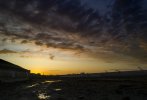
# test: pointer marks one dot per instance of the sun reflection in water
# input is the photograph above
(57, 89)
(32, 85)
(43, 96)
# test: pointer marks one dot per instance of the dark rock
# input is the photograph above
(81, 98)
(126, 98)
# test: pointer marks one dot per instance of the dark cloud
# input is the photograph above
(24, 56)
(24, 41)
(38, 43)
(57, 42)
(5, 39)
(6, 51)
(118, 27)
(51, 56)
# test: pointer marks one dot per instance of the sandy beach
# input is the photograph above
(75, 89)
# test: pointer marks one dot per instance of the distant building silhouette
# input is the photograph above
(10, 72)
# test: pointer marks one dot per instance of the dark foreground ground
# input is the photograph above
(76, 89)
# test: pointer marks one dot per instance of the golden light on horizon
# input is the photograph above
(44, 65)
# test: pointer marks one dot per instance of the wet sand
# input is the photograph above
(75, 89)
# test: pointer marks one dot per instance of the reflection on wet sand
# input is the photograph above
(43, 96)
(58, 89)
(30, 86)
(48, 81)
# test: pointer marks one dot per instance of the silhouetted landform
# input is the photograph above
(76, 89)
(133, 73)
(124, 85)
(11, 73)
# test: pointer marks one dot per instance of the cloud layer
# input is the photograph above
(119, 29)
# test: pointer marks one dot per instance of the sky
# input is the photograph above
(73, 36)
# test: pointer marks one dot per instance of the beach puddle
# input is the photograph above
(43, 96)
(57, 89)
(51, 81)
(32, 85)
(48, 82)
